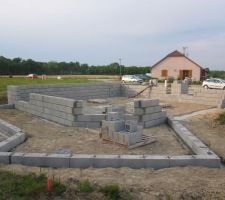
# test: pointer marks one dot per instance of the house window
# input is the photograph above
(164, 73)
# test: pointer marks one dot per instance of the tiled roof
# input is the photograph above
(176, 54)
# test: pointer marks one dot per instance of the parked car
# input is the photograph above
(142, 76)
(215, 83)
(32, 76)
(131, 79)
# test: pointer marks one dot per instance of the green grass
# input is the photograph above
(5, 81)
(111, 191)
(85, 186)
(221, 118)
(34, 187)
(26, 187)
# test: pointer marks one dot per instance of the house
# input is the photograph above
(178, 66)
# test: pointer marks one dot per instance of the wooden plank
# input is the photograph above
(143, 143)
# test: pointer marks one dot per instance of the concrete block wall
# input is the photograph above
(64, 111)
(13, 136)
(73, 91)
(204, 158)
(149, 112)
(195, 144)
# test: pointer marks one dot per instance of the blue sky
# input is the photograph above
(101, 31)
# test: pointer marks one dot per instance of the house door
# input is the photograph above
(185, 73)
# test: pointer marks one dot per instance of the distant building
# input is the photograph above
(178, 66)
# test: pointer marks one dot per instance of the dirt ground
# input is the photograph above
(44, 136)
(209, 131)
(188, 183)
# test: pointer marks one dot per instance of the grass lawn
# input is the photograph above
(5, 81)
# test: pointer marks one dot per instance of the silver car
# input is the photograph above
(131, 79)
(214, 83)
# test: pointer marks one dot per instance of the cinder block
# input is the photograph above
(87, 124)
(35, 159)
(131, 126)
(78, 111)
(130, 117)
(183, 160)
(5, 157)
(132, 161)
(157, 162)
(153, 116)
(91, 118)
(207, 161)
(17, 158)
(58, 160)
(102, 161)
(81, 161)
(80, 103)
(149, 103)
(147, 110)
(155, 122)
(114, 126)
(112, 116)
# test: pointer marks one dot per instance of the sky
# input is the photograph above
(98, 32)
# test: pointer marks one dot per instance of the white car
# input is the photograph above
(215, 83)
(131, 79)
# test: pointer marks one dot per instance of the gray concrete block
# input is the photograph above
(17, 158)
(102, 161)
(157, 162)
(183, 160)
(35, 159)
(149, 102)
(78, 111)
(87, 124)
(58, 160)
(112, 116)
(132, 161)
(81, 161)
(131, 117)
(91, 117)
(5, 157)
(80, 103)
(147, 110)
(155, 122)
(207, 161)
(114, 126)
(153, 116)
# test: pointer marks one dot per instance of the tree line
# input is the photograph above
(18, 66)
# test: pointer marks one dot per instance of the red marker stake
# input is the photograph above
(49, 184)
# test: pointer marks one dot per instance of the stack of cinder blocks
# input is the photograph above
(120, 131)
(149, 112)
(86, 120)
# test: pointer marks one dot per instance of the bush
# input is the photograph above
(170, 79)
(111, 192)
(85, 186)
(196, 83)
(221, 118)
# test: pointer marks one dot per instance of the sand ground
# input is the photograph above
(187, 183)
